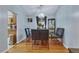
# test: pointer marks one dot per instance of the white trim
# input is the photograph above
(21, 40)
(65, 46)
(7, 49)
(12, 46)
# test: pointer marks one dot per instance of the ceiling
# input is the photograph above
(34, 10)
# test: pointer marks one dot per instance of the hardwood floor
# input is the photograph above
(26, 47)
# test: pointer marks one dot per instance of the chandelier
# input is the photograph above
(39, 11)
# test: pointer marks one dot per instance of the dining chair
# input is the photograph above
(27, 32)
(58, 34)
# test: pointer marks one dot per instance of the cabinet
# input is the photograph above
(51, 26)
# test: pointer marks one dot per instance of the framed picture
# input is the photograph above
(29, 19)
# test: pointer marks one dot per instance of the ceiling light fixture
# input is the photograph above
(40, 13)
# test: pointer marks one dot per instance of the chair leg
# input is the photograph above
(61, 41)
(45, 43)
(36, 44)
(33, 43)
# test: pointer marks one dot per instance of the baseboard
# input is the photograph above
(21, 39)
(12, 46)
(65, 46)
(7, 49)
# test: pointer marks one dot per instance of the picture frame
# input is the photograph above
(29, 19)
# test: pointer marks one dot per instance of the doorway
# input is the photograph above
(12, 28)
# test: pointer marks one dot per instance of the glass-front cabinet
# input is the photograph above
(51, 26)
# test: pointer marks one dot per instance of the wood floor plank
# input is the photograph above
(26, 47)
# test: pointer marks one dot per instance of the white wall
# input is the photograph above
(68, 18)
(21, 26)
(4, 25)
(31, 25)
(3, 28)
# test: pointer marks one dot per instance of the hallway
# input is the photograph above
(26, 47)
